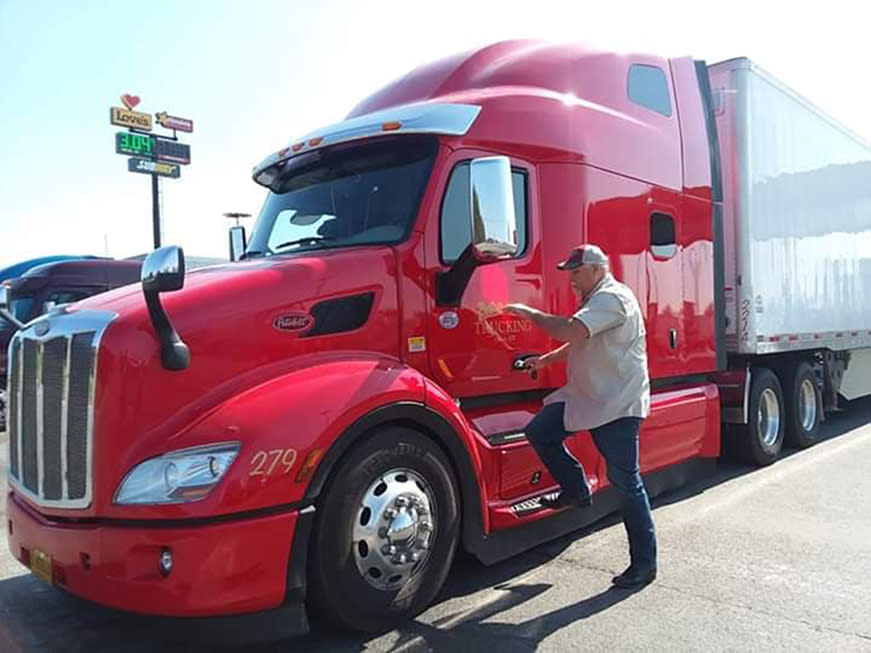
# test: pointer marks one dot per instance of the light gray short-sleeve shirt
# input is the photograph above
(607, 374)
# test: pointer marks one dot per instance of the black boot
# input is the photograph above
(632, 578)
(564, 500)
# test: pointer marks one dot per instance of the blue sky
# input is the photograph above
(254, 75)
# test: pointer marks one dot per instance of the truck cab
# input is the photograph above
(320, 425)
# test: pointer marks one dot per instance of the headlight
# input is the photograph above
(179, 476)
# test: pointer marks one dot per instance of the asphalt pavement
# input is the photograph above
(774, 559)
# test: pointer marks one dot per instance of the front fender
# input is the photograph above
(279, 423)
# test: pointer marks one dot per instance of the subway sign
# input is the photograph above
(154, 168)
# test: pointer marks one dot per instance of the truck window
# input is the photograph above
(19, 307)
(663, 243)
(648, 87)
(456, 221)
(343, 196)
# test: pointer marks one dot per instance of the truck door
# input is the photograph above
(473, 346)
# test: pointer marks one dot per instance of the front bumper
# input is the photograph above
(225, 568)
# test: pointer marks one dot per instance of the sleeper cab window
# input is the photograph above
(648, 87)
(456, 216)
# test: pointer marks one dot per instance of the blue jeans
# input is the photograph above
(617, 441)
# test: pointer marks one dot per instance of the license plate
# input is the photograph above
(41, 566)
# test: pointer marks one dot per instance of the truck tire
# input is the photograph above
(386, 531)
(760, 440)
(804, 407)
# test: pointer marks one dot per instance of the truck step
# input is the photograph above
(531, 505)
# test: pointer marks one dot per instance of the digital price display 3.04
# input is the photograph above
(133, 144)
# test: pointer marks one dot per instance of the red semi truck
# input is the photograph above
(319, 425)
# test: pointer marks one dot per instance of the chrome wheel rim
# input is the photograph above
(768, 417)
(394, 528)
(807, 406)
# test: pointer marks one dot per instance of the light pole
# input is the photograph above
(235, 215)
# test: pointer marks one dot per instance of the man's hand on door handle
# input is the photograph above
(530, 363)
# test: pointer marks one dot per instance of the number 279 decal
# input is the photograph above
(274, 462)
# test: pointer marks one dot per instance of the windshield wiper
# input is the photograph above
(308, 239)
(250, 254)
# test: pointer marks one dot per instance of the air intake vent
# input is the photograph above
(341, 315)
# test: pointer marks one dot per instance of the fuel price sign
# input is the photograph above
(133, 144)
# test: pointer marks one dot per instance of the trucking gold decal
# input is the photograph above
(492, 322)
(264, 463)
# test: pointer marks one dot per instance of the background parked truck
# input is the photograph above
(54, 281)
(319, 425)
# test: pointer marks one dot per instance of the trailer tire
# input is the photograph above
(760, 441)
(804, 409)
(386, 530)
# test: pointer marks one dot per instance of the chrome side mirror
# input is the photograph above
(494, 223)
(4, 297)
(163, 271)
(494, 226)
(238, 242)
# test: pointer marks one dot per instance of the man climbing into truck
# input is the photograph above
(607, 393)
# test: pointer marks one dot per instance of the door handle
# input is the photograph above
(672, 338)
(519, 364)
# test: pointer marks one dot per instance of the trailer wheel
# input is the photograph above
(804, 411)
(386, 532)
(759, 441)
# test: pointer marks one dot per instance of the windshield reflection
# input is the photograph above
(346, 196)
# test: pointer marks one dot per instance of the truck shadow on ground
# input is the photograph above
(36, 617)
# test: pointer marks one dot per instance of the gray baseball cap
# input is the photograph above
(584, 255)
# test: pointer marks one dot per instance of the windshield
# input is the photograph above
(344, 196)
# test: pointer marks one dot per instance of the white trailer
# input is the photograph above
(796, 255)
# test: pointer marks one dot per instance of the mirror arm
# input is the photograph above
(11, 319)
(163, 271)
(452, 283)
(174, 353)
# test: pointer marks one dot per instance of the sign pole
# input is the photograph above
(155, 211)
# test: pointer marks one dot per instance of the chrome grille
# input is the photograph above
(52, 373)
(29, 454)
(80, 400)
(54, 358)
(14, 381)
